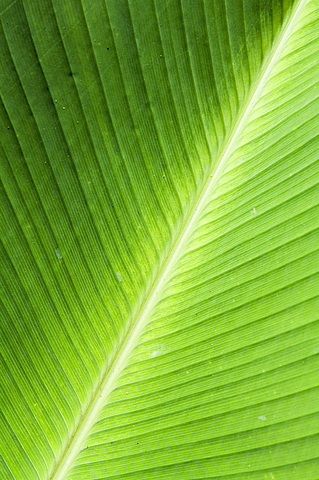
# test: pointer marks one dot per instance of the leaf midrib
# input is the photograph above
(140, 317)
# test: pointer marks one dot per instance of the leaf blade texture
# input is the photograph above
(159, 240)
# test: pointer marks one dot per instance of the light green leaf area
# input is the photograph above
(159, 240)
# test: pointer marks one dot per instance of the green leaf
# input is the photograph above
(159, 239)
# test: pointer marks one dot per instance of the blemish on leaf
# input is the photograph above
(157, 350)
(118, 276)
(262, 417)
(58, 254)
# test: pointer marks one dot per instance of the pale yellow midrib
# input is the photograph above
(141, 316)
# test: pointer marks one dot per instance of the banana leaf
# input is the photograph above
(159, 240)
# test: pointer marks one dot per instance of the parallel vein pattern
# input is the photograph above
(126, 110)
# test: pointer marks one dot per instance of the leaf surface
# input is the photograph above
(159, 237)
